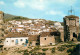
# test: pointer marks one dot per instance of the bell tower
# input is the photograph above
(71, 26)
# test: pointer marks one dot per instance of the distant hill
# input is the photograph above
(8, 16)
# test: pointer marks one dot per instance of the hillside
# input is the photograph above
(8, 17)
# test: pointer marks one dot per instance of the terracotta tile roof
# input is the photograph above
(33, 37)
(16, 35)
(44, 34)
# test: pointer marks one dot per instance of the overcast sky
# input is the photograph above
(53, 10)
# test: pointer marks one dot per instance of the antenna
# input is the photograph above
(71, 12)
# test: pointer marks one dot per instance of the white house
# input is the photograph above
(20, 25)
(58, 25)
(19, 29)
(26, 21)
(33, 32)
(15, 41)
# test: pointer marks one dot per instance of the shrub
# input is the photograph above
(75, 50)
(70, 42)
(25, 51)
(69, 50)
(37, 48)
(38, 53)
(44, 49)
(26, 54)
(53, 50)
(61, 48)
(68, 46)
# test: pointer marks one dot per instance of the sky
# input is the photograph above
(53, 10)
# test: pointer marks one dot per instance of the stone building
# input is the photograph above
(60, 29)
(47, 39)
(1, 23)
(71, 27)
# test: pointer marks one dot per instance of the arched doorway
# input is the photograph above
(74, 35)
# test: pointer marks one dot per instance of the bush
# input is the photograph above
(70, 42)
(44, 49)
(69, 50)
(75, 50)
(67, 46)
(37, 48)
(24, 51)
(38, 53)
(26, 54)
(53, 50)
(61, 48)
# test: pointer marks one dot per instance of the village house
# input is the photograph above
(15, 22)
(19, 29)
(58, 25)
(46, 39)
(15, 40)
(26, 21)
(33, 32)
(33, 40)
(45, 30)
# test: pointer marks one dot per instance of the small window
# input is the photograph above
(50, 43)
(44, 38)
(77, 21)
(12, 40)
(21, 39)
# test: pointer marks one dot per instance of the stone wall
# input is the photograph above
(44, 41)
(71, 27)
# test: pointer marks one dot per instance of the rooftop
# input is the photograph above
(72, 16)
(1, 12)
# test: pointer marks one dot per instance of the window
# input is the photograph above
(44, 38)
(16, 41)
(77, 21)
(26, 41)
(50, 43)
(12, 40)
(21, 39)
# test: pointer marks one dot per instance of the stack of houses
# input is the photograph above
(34, 32)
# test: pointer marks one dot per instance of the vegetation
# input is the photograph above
(38, 53)
(68, 46)
(37, 48)
(70, 42)
(61, 48)
(22, 51)
(26, 54)
(53, 50)
(44, 49)
(74, 51)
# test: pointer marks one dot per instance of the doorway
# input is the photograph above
(16, 41)
(74, 35)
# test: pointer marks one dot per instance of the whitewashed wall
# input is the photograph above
(8, 41)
